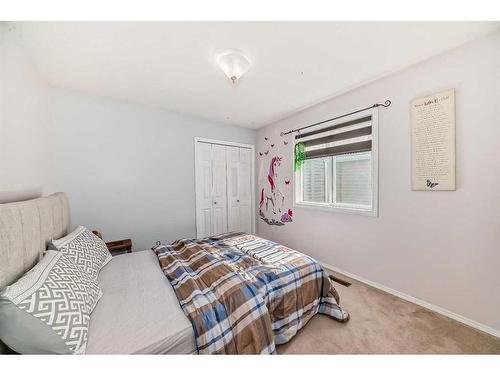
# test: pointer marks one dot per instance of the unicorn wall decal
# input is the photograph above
(272, 208)
(272, 196)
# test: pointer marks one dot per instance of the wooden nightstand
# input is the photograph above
(120, 245)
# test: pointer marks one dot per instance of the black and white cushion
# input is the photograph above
(85, 249)
(48, 309)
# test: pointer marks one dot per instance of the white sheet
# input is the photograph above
(139, 311)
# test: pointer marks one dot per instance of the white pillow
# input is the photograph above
(85, 249)
(48, 309)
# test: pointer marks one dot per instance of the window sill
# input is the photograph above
(337, 209)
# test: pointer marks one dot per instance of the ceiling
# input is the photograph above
(171, 65)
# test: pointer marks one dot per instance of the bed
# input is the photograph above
(138, 312)
(244, 294)
(130, 316)
(142, 309)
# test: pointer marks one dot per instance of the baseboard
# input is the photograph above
(427, 305)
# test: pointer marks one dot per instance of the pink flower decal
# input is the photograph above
(287, 217)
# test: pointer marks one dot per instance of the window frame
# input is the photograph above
(342, 207)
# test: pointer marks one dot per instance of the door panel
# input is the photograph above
(233, 222)
(232, 182)
(207, 183)
(245, 218)
(233, 154)
(233, 199)
(245, 176)
(239, 165)
(219, 220)
(245, 189)
(233, 160)
(219, 196)
(204, 214)
(206, 218)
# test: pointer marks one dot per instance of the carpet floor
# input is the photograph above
(384, 324)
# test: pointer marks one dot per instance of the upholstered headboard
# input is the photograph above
(25, 230)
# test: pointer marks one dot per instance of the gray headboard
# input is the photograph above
(25, 230)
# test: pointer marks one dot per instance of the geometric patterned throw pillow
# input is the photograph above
(85, 249)
(48, 309)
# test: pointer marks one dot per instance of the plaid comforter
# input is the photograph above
(244, 294)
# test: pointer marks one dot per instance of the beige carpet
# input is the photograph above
(384, 324)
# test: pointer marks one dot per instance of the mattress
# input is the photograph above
(139, 311)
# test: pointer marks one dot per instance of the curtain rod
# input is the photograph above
(386, 104)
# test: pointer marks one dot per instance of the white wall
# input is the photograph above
(128, 169)
(440, 247)
(24, 115)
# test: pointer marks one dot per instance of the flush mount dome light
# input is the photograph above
(233, 63)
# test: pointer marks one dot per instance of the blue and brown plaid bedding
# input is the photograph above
(244, 294)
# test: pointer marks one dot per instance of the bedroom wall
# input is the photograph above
(24, 116)
(129, 169)
(440, 247)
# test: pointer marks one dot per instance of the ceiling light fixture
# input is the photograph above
(233, 63)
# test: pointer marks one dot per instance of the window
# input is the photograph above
(340, 170)
(316, 179)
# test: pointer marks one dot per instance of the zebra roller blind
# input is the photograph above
(338, 170)
(345, 138)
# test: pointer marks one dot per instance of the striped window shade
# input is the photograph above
(345, 138)
(340, 167)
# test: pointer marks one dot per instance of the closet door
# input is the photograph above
(204, 212)
(219, 195)
(239, 188)
(233, 210)
(245, 188)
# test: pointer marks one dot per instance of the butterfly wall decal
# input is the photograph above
(265, 138)
(285, 143)
(260, 153)
(432, 184)
(272, 145)
(267, 152)
(287, 182)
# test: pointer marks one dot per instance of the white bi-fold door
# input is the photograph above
(224, 188)
(239, 189)
(211, 190)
